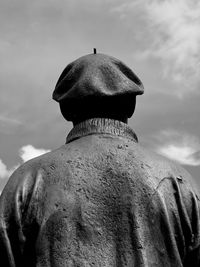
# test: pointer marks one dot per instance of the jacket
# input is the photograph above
(99, 200)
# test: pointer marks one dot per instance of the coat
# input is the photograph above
(99, 200)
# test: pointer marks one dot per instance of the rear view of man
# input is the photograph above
(101, 199)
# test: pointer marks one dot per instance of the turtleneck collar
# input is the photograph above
(101, 126)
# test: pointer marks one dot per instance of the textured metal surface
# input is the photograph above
(100, 200)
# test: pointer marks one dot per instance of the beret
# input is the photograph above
(96, 78)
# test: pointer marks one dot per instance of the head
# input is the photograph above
(97, 86)
(80, 110)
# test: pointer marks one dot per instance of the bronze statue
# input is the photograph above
(101, 199)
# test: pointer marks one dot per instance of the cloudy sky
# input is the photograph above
(158, 39)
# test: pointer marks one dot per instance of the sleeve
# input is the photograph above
(12, 239)
(182, 206)
(188, 203)
(193, 251)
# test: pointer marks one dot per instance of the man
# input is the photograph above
(100, 199)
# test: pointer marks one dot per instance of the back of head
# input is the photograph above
(97, 85)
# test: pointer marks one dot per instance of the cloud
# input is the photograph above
(178, 37)
(4, 171)
(182, 154)
(26, 153)
(173, 29)
(179, 147)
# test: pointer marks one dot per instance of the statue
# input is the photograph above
(101, 199)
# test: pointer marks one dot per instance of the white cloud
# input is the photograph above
(174, 30)
(26, 153)
(182, 154)
(4, 172)
(179, 147)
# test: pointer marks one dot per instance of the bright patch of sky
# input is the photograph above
(175, 37)
(180, 147)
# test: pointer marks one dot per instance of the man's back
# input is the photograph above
(100, 200)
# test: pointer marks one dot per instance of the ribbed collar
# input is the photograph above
(101, 126)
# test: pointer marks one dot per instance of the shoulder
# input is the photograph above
(28, 174)
(163, 170)
(170, 183)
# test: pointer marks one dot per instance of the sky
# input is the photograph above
(158, 39)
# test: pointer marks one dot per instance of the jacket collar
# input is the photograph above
(101, 126)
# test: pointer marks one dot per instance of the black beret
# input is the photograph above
(96, 78)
